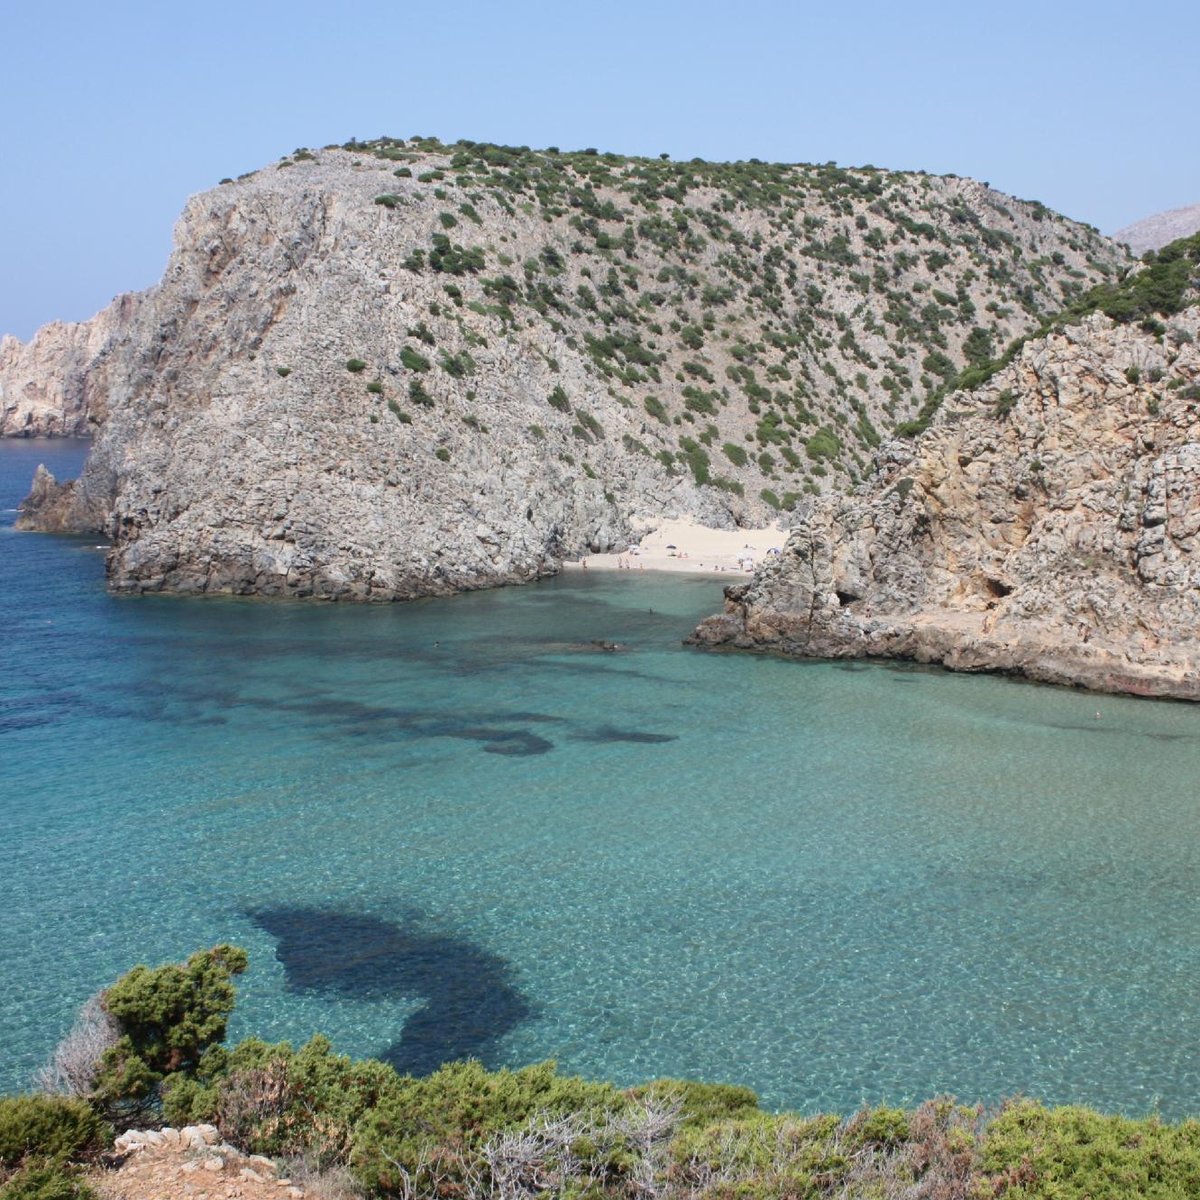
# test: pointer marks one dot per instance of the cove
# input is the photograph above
(444, 827)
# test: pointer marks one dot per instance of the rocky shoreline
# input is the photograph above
(1047, 525)
(342, 390)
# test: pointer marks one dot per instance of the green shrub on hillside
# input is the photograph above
(457, 365)
(414, 360)
(696, 457)
(168, 1018)
(41, 1127)
(589, 423)
(823, 444)
(46, 1181)
(451, 259)
(1160, 288)
(655, 408)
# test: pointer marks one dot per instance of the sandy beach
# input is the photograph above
(685, 546)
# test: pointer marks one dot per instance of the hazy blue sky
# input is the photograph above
(114, 113)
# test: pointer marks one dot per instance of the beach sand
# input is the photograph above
(688, 547)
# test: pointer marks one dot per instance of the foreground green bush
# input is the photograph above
(46, 1181)
(168, 1018)
(433, 1127)
(47, 1127)
(273, 1100)
(1077, 1154)
(700, 1103)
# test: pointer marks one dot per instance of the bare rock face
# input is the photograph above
(52, 386)
(368, 381)
(50, 506)
(1047, 524)
(1153, 233)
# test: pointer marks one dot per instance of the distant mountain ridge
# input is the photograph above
(1152, 233)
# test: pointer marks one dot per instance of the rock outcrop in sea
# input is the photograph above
(1047, 524)
(402, 368)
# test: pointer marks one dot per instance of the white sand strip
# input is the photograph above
(686, 546)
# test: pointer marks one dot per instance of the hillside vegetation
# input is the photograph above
(466, 1132)
(1162, 285)
(773, 321)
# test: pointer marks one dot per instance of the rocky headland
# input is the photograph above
(52, 386)
(401, 368)
(1047, 524)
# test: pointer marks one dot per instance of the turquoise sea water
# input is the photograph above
(451, 827)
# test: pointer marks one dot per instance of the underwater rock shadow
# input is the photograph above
(491, 729)
(353, 718)
(470, 999)
(609, 733)
(513, 742)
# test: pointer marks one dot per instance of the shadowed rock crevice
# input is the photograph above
(469, 998)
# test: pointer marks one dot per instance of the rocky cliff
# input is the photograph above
(392, 369)
(50, 386)
(1047, 524)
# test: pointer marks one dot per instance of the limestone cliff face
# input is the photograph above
(371, 381)
(1047, 524)
(52, 385)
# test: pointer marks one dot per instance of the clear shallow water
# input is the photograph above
(445, 828)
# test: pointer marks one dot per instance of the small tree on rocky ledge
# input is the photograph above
(152, 1026)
